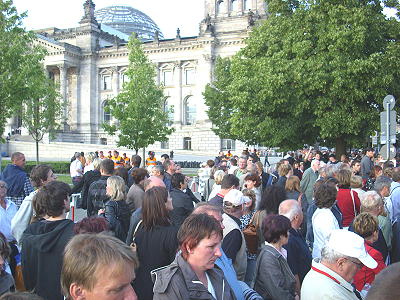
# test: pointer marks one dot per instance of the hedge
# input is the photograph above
(59, 167)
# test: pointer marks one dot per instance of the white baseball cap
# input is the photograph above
(350, 244)
(236, 198)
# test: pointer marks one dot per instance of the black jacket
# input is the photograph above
(43, 243)
(117, 214)
(97, 195)
(83, 187)
(183, 205)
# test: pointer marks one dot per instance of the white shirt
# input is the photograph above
(323, 222)
(74, 167)
(317, 286)
(88, 168)
(6, 216)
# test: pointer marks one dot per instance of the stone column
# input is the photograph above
(241, 7)
(63, 90)
(178, 114)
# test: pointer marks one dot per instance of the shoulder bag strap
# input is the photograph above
(354, 204)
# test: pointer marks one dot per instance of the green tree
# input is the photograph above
(138, 108)
(313, 71)
(17, 55)
(42, 112)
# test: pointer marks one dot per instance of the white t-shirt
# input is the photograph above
(323, 222)
(74, 167)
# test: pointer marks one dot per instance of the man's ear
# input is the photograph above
(76, 292)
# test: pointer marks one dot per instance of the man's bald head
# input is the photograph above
(153, 181)
(292, 210)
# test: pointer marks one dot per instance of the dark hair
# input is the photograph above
(210, 163)
(272, 196)
(136, 160)
(233, 161)
(123, 173)
(195, 228)
(39, 174)
(375, 170)
(177, 179)
(165, 156)
(229, 181)
(325, 195)
(139, 174)
(107, 165)
(354, 162)
(253, 177)
(50, 198)
(20, 296)
(154, 211)
(274, 226)
(167, 163)
(5, 250)
(92, 224)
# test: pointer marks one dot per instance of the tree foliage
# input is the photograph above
(42, 112)
(17, 55)
(314, 70)
(138, 108)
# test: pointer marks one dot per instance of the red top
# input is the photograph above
(367, 275)
(345, 203)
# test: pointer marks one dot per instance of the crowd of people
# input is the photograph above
(312, 227)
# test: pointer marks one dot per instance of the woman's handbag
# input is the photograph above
(250, 235)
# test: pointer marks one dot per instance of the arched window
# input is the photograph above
(234, 5)
(190, 110)
(169, 109)
(106, 115)
(219, 6)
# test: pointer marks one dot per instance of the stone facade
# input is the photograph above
(89, 65)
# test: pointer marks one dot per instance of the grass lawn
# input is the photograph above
(64, 178)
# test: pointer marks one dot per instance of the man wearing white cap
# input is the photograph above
(342, 256)
(234, 244)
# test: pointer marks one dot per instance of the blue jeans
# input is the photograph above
(250, 272)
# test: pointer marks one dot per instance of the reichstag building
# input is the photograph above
(89, 61)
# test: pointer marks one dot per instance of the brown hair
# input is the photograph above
(253, 177)
(195, 228)
(39, 174)
(86, 255)
(50, 199)
(365, 225)
(343, 176)
(154, 211)
(292, 184)
(139, 174)
(284, 169)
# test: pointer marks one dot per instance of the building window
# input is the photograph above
(227, 144)
(187, 143)
(247, 4)
(234, 5)
(123, 79)
(190, 111)
(164, 145)
(169, 109)
(106, 82)
(103, 141)
(166, 77)
(106, 114)
(189, 76)
(220, 8)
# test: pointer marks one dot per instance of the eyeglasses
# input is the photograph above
(359, 265)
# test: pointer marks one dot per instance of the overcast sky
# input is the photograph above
(167, 14)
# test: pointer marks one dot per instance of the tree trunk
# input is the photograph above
(340, 147)
(144, 158)
(37, 152)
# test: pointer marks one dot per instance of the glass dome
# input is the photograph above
(128, 20)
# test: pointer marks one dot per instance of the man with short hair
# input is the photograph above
(366, 163)
(332, 159)
(159, 172)
(170, 168)
(298, 254)
(228, 183)
(76, 169)
(98, 266)
(164, 157)
(43, 242)
(356, 167)
(234, 244)
(342, 257)
(97, 196)
(18, 183)
(308, 180)
(136, 160)
(242, 167)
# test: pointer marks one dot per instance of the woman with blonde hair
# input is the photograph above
(284, 171)
(116, 211)
(218, 176)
